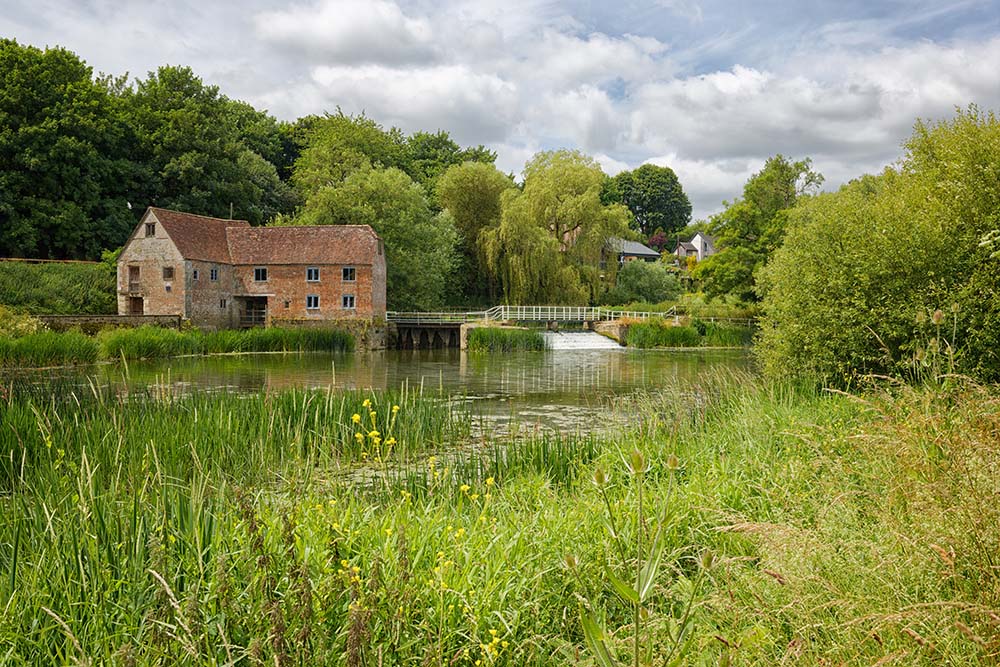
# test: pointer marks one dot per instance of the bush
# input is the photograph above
(499, 339)
(14, 324)
(854, 289)
(645, 281)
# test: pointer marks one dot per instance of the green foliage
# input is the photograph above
(654, 196)
(64, 167)
(197, 149)
(419, 245)
(429, 155)
(750, 229)
(471, 194)
(504, 339)
(852, 290)
(646, 281)
(56, 288)
(551, 236)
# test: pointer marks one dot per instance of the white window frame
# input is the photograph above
(213, 274)
(310, 297)
(309, 272)
(260, 280)
(343, 302)
(354, 274)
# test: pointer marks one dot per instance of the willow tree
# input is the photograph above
(553, 234)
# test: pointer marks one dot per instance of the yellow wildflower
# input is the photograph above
(464, 488)
(395, 409)
(489, 481)
(367, 403)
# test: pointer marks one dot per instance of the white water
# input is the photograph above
(579, 340)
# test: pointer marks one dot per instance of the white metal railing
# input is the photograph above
(524, 314)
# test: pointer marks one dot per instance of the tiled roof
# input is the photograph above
(236, 242)
(197, 236)
(320, 244)
(687, 246)
(632, 248)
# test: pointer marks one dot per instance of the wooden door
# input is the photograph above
(135, 305)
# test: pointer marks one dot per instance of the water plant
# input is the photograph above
(504, 339)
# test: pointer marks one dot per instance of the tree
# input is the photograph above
(419, 246)
(652, 282)
(867, 277)
(430, 155)
(337, 145)
(750, 229)
(552, 235)
(654, 196)
(197, 148)
(64, 165)
(471, 194)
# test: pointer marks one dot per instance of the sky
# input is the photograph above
(708, 88)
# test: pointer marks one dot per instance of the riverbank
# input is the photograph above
(841, 528)
(47, 348)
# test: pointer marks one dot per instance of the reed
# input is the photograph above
(48, 348)
(504, 339)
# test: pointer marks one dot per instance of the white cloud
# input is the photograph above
(349, 31)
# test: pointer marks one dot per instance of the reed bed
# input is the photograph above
(656, 332)
(150, 342)
(145, 528)
(504, 339)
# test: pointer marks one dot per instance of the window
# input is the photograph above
(194, 275)
(347, 301)
(312, 301)
(222, 303)
(348, 274)
(150, 229)
(168, 273)
(213, 274)
(166, 287)
(312, 274)
(260, 274)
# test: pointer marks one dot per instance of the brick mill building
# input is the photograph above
(224, 273)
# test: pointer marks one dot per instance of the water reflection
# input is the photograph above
(558, 389)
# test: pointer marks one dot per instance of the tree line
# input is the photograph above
(81, 156)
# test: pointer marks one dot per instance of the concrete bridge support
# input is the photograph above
(427, 336)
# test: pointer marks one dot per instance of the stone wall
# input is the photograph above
(91, 324)
(150, 254)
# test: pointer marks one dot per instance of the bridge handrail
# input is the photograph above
(506, 313)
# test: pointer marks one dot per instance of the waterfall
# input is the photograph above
(579, 340)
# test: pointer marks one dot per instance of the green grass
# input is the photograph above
(246, 529)
(503, 339)
(56, 288)
(149, 342)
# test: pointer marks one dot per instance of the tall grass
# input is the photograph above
(504, 339)
(655, 332)
(216, 529)
(48, 349)
(149, 342)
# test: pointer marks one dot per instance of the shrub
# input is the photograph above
(842, 296)
(646, 281)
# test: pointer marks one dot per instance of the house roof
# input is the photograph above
(198, 236)
(208, 239)
(687, 246)
(633, 248)
(319, 244)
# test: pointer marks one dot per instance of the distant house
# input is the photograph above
(700, 246)
(629, 251)
(225, 273)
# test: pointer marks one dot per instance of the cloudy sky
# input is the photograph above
(710, 88)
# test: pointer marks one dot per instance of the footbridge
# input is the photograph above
(443, 328)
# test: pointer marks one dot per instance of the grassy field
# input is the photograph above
(765, 524)
(58, 288)
(149, 342)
